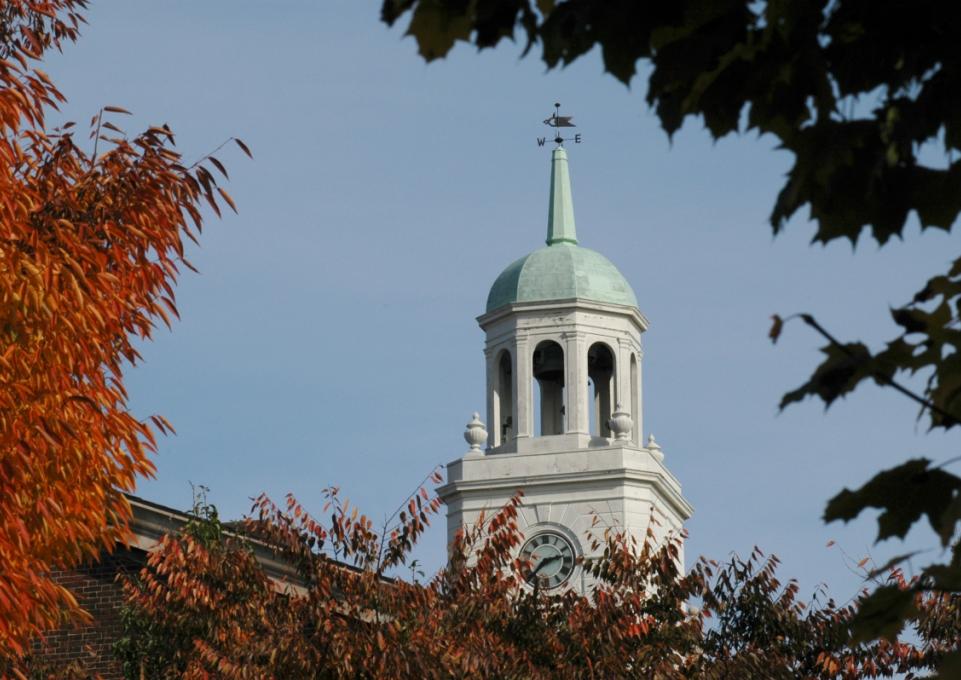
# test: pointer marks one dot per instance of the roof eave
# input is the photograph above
(488, 318)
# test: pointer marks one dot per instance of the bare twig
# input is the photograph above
(211, 153)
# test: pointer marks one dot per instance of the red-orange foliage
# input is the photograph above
(204, 608)
(90, 242)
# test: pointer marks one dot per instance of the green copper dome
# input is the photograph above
(563, 269)
(559, 272)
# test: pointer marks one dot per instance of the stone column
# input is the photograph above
(622, 376)
(523, 399)
(639, 410)
(489, 355)
(575, 356)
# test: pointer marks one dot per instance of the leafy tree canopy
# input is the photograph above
(92, 235)
(866, 95)
(203, 607)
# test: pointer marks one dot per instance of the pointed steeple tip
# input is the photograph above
(560, 216)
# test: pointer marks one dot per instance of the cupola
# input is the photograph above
(563, 340)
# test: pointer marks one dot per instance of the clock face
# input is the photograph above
(550, 558)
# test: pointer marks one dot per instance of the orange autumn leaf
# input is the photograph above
(77, 287)
(354, 613)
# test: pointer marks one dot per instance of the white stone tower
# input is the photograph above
(563, 355)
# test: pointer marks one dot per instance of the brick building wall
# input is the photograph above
(89, 648)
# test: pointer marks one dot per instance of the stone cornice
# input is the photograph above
(507, 485)
(632, 313)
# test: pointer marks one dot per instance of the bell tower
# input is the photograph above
(563, 354)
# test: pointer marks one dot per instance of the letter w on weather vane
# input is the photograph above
(557, 121)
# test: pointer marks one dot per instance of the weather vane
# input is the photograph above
(557, 121)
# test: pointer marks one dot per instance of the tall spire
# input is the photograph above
(560, 216)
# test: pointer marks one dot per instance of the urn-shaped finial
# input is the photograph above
(654, 447)
(621, 423)
(476, 433)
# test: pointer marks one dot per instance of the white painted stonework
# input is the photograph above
(564, 490)
(577, 362)
(570, 478)
(575, 325)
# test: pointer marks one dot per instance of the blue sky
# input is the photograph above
(330, 337)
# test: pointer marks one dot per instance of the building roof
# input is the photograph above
(562, 270)
(151, 521)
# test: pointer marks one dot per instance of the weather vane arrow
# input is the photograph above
(558, 121)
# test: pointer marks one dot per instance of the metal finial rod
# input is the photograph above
(557, 114)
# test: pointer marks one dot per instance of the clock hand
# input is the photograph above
(544, 562)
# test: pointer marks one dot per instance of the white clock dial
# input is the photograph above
(550, 559)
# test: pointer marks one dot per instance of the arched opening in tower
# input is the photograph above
(548, 372)
(504, 399)
(600, 377)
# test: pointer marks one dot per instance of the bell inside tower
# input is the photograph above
(548, 369)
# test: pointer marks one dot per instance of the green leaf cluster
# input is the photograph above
(852, 88)
(856, 90)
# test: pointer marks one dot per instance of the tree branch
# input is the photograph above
(877, 375)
